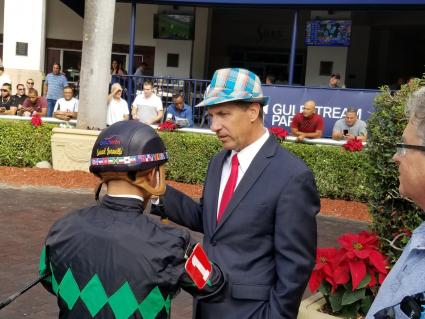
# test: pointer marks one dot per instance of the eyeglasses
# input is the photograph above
(401, 148)
(32, 83)
(22, 89)
(4, 90)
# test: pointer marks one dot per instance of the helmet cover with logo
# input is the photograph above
(127, 146)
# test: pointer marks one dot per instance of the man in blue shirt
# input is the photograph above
(398, 295)
(54, 84)
(180, 112)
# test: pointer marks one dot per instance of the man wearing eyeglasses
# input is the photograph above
(403, 289)
(20, 95)
(30, 84)
(8, 104)
(66, 108)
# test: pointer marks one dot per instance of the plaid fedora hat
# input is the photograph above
(233, 84)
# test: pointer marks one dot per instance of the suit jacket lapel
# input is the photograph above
(255, 169)
(214, 179)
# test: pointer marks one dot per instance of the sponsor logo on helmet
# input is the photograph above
(108, 141)
(109, 151)
(109, 146)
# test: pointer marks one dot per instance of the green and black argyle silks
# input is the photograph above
(111, 261)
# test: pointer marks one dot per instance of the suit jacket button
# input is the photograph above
(213, 243)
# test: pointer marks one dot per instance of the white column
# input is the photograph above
(24, 23)
(95, 63)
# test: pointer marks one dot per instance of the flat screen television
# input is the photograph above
(173, 26)
(328, 33)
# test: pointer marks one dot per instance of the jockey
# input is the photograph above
(113, 261)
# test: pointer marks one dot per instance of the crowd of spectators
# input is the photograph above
(58, 101)
(308, 124)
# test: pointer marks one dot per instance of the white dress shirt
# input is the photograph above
(245, 157)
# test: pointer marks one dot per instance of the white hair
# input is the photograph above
(415, 110)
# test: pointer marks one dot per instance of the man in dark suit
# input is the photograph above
(258, 208)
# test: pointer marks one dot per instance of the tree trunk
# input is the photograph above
(95, 63)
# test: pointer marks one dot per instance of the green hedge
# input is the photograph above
(392, 214)
(189, 155)
(23, 145)
(339, 174)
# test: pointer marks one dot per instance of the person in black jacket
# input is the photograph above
(111, 260)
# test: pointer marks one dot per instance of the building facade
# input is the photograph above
(385, 44)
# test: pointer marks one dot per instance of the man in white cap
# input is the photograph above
(258, 207)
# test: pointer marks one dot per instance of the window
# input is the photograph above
(71, 65)
(172, 60)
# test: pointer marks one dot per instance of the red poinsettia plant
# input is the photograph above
(278, 132)
(167, 125)
(353, 145)
(36, 120)
(349, 276)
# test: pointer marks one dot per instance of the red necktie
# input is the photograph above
(229, 188)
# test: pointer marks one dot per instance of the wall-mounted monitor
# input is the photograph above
(328, 33)
(173, 26)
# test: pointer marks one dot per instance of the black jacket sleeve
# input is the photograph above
(214, 285)
(44, 270)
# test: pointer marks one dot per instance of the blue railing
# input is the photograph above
(165, 87)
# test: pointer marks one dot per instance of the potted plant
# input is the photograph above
(279, 132)
(348, 277)
(168, 126)
(354, 145)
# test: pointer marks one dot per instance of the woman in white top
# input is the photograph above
(117, 107)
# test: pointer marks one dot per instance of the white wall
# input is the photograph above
(182, 48)
(28, 29)
(62, 22)
(337, 55)
(144, 24)
(144, 36)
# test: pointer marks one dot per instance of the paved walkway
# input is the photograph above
(26, 214)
